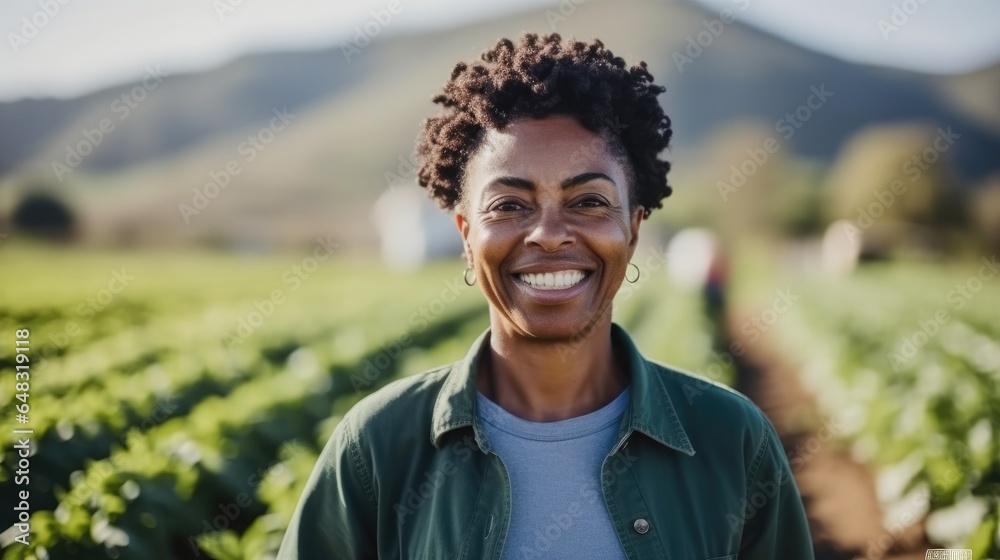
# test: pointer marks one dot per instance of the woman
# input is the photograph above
(554, 437)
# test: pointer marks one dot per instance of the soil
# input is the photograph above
(839, 495)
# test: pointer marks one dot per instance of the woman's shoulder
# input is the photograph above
(709, 407)
(405, 403)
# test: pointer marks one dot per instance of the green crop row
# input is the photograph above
(152, 498)
(84, 424)
(907, 361)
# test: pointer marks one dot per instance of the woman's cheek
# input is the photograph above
(611, 229)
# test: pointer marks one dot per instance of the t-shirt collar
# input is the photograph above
(650, 411)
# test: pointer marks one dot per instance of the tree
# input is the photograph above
(44, 215)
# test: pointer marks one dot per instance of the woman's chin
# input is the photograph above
(558, 328)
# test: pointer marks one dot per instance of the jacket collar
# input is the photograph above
(650, 412)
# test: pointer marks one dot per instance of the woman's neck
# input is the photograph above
(549, 380)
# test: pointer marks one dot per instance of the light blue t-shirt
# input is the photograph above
(558, 509)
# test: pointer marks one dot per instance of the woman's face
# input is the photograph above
(548, 228)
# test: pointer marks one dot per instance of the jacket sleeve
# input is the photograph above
(336, 514)
(775, 526)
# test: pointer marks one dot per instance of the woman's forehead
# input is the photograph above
(557, 131)
(554, 146)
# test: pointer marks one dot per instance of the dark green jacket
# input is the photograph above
(698, 473)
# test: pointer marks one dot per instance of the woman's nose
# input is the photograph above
(551, 230)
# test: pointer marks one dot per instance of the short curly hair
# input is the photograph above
(537, 78)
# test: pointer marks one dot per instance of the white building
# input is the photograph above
(413, 229)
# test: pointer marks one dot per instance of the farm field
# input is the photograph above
(906, 361)
(179, 400)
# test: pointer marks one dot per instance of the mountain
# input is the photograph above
(352, 121)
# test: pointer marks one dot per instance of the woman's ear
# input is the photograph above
(636, 221)
(463, 229)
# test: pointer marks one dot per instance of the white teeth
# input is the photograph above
(553, 280)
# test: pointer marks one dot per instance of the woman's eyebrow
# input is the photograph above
(516, 182)
(584, 178)
(520, 183)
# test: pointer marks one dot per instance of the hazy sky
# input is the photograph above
(89, 45)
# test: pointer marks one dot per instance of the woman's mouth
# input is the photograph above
(558, 280)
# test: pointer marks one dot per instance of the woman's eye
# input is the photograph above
(507, 206)
(592, 202)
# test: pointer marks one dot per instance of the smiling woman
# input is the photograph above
(541, 211)
(554, 437)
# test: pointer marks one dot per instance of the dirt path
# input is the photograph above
(844, 514)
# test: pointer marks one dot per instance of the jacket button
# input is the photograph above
(641, 526)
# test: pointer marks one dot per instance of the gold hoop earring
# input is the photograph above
(465, 276)
(636, 273)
